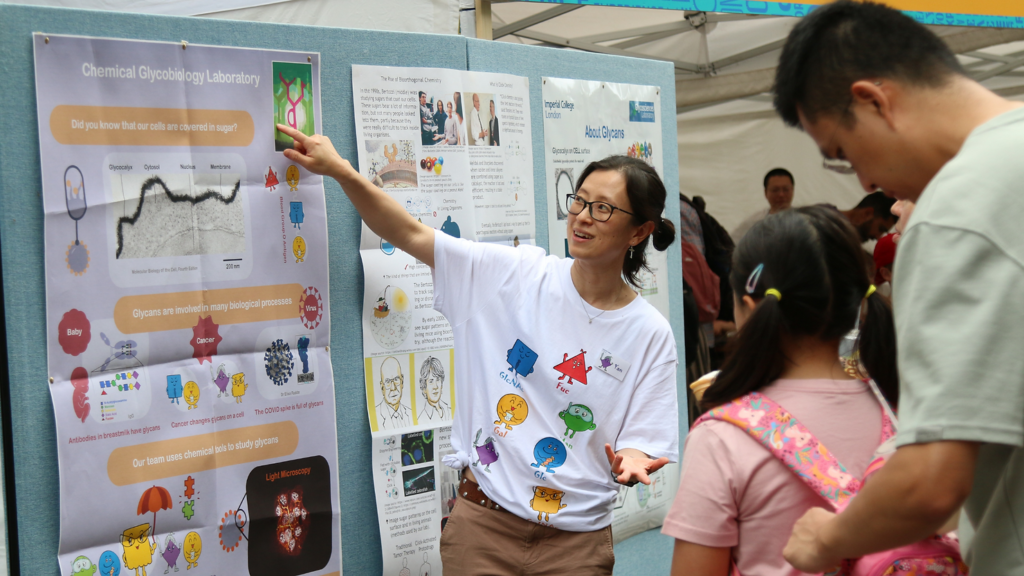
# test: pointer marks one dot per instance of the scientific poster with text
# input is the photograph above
(586, 121)
(188, 325)
(454, 148)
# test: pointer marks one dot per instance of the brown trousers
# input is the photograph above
(478, 541)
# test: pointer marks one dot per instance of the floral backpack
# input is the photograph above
(794, 445)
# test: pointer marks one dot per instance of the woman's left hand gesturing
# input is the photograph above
(630, 466)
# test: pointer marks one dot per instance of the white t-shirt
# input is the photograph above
(539, 385)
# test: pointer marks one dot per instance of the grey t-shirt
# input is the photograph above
(959, 294)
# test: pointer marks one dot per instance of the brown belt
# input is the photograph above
(471, 491)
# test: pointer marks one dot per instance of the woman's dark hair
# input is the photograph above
(813, 257)
(646, 195)
(458, 103)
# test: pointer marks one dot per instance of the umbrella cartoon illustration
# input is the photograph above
(153, 500)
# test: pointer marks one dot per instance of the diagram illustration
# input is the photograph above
(77, 257)
(291, 176)
(178, 215)
(391, 163)
(293, 100)
(392, 318)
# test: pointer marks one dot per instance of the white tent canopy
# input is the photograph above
(729, 136)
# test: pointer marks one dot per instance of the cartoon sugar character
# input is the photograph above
(191, 394)
(238, 387)
(550, 453)
(222, 380)
(577, 418)
(521, 359)
(82, 566)
(512, 410)
(486, 453)
(170, 553)
(193, 548)
(138, 551)
(174, 388)
(546, 501)
(109, 564)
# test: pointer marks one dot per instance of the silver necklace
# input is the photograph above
(589, 317)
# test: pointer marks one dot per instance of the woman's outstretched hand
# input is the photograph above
(315, 153)
(631, 466)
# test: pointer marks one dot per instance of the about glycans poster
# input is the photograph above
(188, 318)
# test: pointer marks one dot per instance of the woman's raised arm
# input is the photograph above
(382, 213)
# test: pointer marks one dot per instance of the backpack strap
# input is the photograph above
(790, 442)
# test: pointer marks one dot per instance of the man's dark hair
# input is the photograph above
(846, 41)
(422, 94)
(778, 172)
(881, 204)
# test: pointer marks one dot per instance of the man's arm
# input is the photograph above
(908, 500)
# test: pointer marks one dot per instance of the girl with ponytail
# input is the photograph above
(801, 284)
(579, 371)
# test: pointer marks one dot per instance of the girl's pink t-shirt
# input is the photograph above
(734, 494)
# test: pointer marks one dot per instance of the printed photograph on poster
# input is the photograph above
(484, 129)
(293, 101)
(442, 118)
(391, 163)
(388, 392)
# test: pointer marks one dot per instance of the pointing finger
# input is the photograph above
(295, 134)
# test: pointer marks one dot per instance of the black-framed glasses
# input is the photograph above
(599, 211)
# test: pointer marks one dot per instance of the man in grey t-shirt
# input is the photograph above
(885, 98)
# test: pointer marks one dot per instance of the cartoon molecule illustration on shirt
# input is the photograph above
(512, 410)
(546, 501)
(574, 368)
(577, 418)
(550, 453)
(278, 362)
(486, 453)
(77, 257)
(291, 176)
(521, 359)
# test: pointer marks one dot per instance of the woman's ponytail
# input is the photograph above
(664, 234)
(877, 347)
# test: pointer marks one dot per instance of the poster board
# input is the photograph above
(29, 433)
